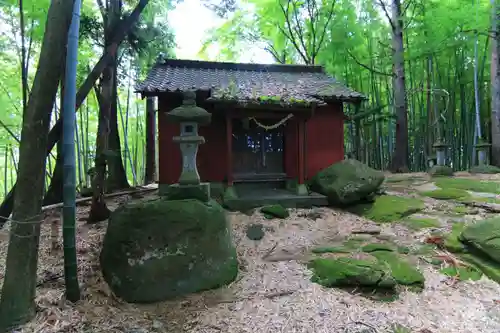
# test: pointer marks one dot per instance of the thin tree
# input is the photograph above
(495, 83)
(399, 161)
(17, 304)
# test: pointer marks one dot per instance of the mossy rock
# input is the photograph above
(402, 271)
(385, 270)
(452, 241)
(158, 249)
(484, 236)
(372, 247)
(331, 249)
(447, 194)
(488, 267)
(388, 208)
(349, 272)
(485, 169)
(463, 273)
(419, 223)
(441, 171)
(275, 211)
(347, 182)
(468, 185)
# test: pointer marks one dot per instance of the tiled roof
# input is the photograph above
(247, 83)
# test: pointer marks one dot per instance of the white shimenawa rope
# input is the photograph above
(278, 124)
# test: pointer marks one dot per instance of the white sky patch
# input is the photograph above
(191, 22)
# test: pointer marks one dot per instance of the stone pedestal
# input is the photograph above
(440, 148)
(483, 153)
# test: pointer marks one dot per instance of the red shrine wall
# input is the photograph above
(324, 144)
(324, 139)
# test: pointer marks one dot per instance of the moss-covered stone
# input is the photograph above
(372, 247)
(160, 249)
(441, 171)
(489, 268)
(385, 270)
(349, 272)
(451, 241)
(331, 249)
(419, 223)
(484, 236)
(462, 273)
(484, 169)
(275, 211)
(401, 270)
(469, 185)
(447, 194)
(347, 182)
(388, 208)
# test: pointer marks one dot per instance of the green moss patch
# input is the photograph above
(275, 211)
(388, 208)
(418, 223)
(468, 185)
(460, 210)
(462, 273)
(447, 194)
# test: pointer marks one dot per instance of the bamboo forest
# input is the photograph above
(132, 201)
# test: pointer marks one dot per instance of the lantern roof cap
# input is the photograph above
(189, 111)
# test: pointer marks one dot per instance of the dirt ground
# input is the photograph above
(273, 292)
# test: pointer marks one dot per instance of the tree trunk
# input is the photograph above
(400, 158)
(56, 131)
(149, 176)
(495, 84)
(98, 209)
(117, 177)
(17, 304)
(54, 193)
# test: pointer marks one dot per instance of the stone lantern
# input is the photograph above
(189, 116)
(483, 153)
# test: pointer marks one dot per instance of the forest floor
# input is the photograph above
(273, 292)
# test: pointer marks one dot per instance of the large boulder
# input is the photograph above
(159, 249)
(484, 236)
(347, 182)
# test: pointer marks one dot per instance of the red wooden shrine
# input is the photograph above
(247, 102)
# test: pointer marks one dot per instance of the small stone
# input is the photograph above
(367, 231)
(255, 232)
(157, 325)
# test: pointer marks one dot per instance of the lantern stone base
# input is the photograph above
(180, 192)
